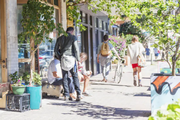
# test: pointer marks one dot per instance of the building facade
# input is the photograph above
(96, 27)
(14, 57)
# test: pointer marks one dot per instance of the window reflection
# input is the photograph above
(24, 66)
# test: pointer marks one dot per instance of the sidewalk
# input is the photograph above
(108, 101)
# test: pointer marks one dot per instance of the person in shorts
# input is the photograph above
(84, 75)
(134, 50)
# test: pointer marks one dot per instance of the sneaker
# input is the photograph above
(139, 83)
(86, 94)
(70, 98)
(135, 84)
(78, 98)
(66, 98)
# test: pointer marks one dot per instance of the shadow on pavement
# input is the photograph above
(102, 112)
(143, 95)
(146, 78)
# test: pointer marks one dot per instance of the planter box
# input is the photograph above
(4, 88)
(164, 90)
(19, 103)
(167, 70)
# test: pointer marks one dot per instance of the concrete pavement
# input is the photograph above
(108, 101)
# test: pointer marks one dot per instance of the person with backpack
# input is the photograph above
(67, 51)
(105, 55)
(134, 50)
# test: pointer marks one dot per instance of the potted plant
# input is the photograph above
(14, 78)
(35, 91)
(26, 78)
(18, 88)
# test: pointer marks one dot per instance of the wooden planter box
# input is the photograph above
(4, 88)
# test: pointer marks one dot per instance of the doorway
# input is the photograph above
(3, 51)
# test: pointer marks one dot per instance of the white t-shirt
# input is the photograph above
(134, 50)
(54, 67)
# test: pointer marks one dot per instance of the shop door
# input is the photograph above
(3, 48)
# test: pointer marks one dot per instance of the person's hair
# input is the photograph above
(105, 37)
(135, 38)
(55, 57)
(70, 29)
(83, 55)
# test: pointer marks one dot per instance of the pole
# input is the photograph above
(151, 59)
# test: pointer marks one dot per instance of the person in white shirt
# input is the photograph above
(134, 50)
(55, 76)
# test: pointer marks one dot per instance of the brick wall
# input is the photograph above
(12, 41)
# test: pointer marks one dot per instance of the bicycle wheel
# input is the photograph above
(120, 73)
(117, 72)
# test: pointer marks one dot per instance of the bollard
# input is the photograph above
(151, 59)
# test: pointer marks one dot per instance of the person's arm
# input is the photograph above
(56, 48)
(56, 75)
(116, 53)
(76, 49)
(128, 53)
(84, 72)
(99, 52)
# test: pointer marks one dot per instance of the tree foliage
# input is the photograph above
(37, 22)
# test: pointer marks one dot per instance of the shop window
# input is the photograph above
(103, 25)
(100, 24)
(56, 2)
(97, 23)
(90, 20)
(106, 26)
(84, 17)
(24, 66)
(49, 1)
(24, 48)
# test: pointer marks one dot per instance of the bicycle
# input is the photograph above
(119, 71)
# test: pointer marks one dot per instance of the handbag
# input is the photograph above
(141, 60)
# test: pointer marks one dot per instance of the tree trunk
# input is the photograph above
(32, 69)
(174, 68)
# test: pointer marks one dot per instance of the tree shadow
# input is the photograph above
(102, 112)
(143, 95)
(146, 78)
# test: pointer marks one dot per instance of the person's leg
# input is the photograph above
(135, 76)
(107, 69)
(86, 82)
(65, 84)
(104, 73)
(139, 76)
(71, 88)
(76, 82)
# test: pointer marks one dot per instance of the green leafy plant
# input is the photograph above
(36, 79)
(19, 82)
(26, 77)
(37, 22)
(14, 77)
(170, 112)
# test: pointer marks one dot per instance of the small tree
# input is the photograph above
(37, 23)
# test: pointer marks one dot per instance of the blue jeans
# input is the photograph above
(106, 70)
(70, 84)
(75, 82)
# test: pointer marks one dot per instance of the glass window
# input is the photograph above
(24, 66)
(103, 25)
(56, 2)
(100, 24)
(46, 50)
(49, 1)
(97, 23)
(90, 20)
(84, 17)
(106, 26)
(56, 16)
(24, 48)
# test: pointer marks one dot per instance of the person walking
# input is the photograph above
(134, 50)
(147, 52)
(67, 50)
(105, 55)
